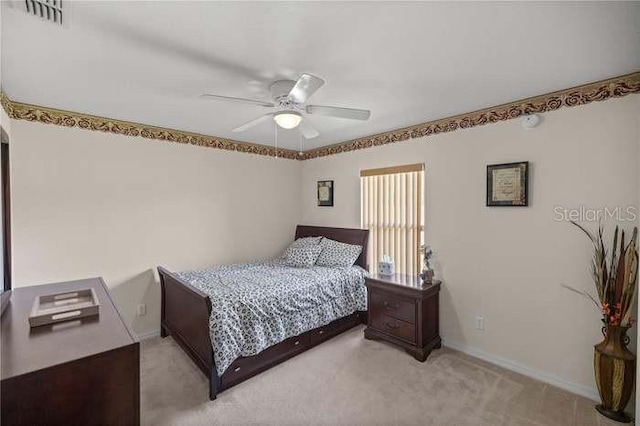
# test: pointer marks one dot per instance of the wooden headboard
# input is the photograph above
(344, 235)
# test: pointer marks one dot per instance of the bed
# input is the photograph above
(322, 300)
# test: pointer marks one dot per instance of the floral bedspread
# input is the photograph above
(256, 305)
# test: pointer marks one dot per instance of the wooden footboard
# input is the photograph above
(186, 311)
(185, 316)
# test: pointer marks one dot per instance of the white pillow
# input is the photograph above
(302, 257)
(335, 253)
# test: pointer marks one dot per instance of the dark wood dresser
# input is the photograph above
(84, 372)
(405, 312)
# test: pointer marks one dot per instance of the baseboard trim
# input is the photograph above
(148, 335)
(576, 388)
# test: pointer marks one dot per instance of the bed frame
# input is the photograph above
(186, 310)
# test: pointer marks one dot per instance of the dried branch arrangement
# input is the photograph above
(615, 275)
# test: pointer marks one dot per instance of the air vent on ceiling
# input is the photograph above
(49, 10)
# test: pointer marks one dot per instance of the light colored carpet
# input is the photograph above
(352, 381)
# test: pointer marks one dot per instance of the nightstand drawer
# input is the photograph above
(400, 329)
(390, 305)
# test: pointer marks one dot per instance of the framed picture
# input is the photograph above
(507, 185)
(325, 193)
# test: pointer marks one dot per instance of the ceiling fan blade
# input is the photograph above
(307, 130)
(306, 86)
(239, 100)
(351, 113)
(252, 123)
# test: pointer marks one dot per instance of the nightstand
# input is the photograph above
(404, 312)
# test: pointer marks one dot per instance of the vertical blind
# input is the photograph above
(392, 211)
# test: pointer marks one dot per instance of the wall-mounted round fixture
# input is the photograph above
(530, 121)
(287, 119)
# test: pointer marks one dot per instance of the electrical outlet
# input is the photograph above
(480, 323)
(142, 310)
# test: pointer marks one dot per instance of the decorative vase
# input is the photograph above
(615, 369)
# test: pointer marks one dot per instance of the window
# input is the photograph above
(392, 211)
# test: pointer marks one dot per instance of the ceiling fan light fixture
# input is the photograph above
(288, 119)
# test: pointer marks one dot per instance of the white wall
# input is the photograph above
(95, 204)
(507, 264)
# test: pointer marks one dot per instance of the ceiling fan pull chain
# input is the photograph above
(300, 153)
(275, 127)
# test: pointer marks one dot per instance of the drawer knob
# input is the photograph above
(391, 326)
(236, 369)
(321, 332)
(297, 342)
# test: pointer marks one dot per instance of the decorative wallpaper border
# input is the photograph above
(20, 111)
(579, 95)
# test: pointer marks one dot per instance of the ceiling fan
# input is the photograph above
(289, 99)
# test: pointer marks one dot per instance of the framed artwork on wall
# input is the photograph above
(507, 185)
(325, 193)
